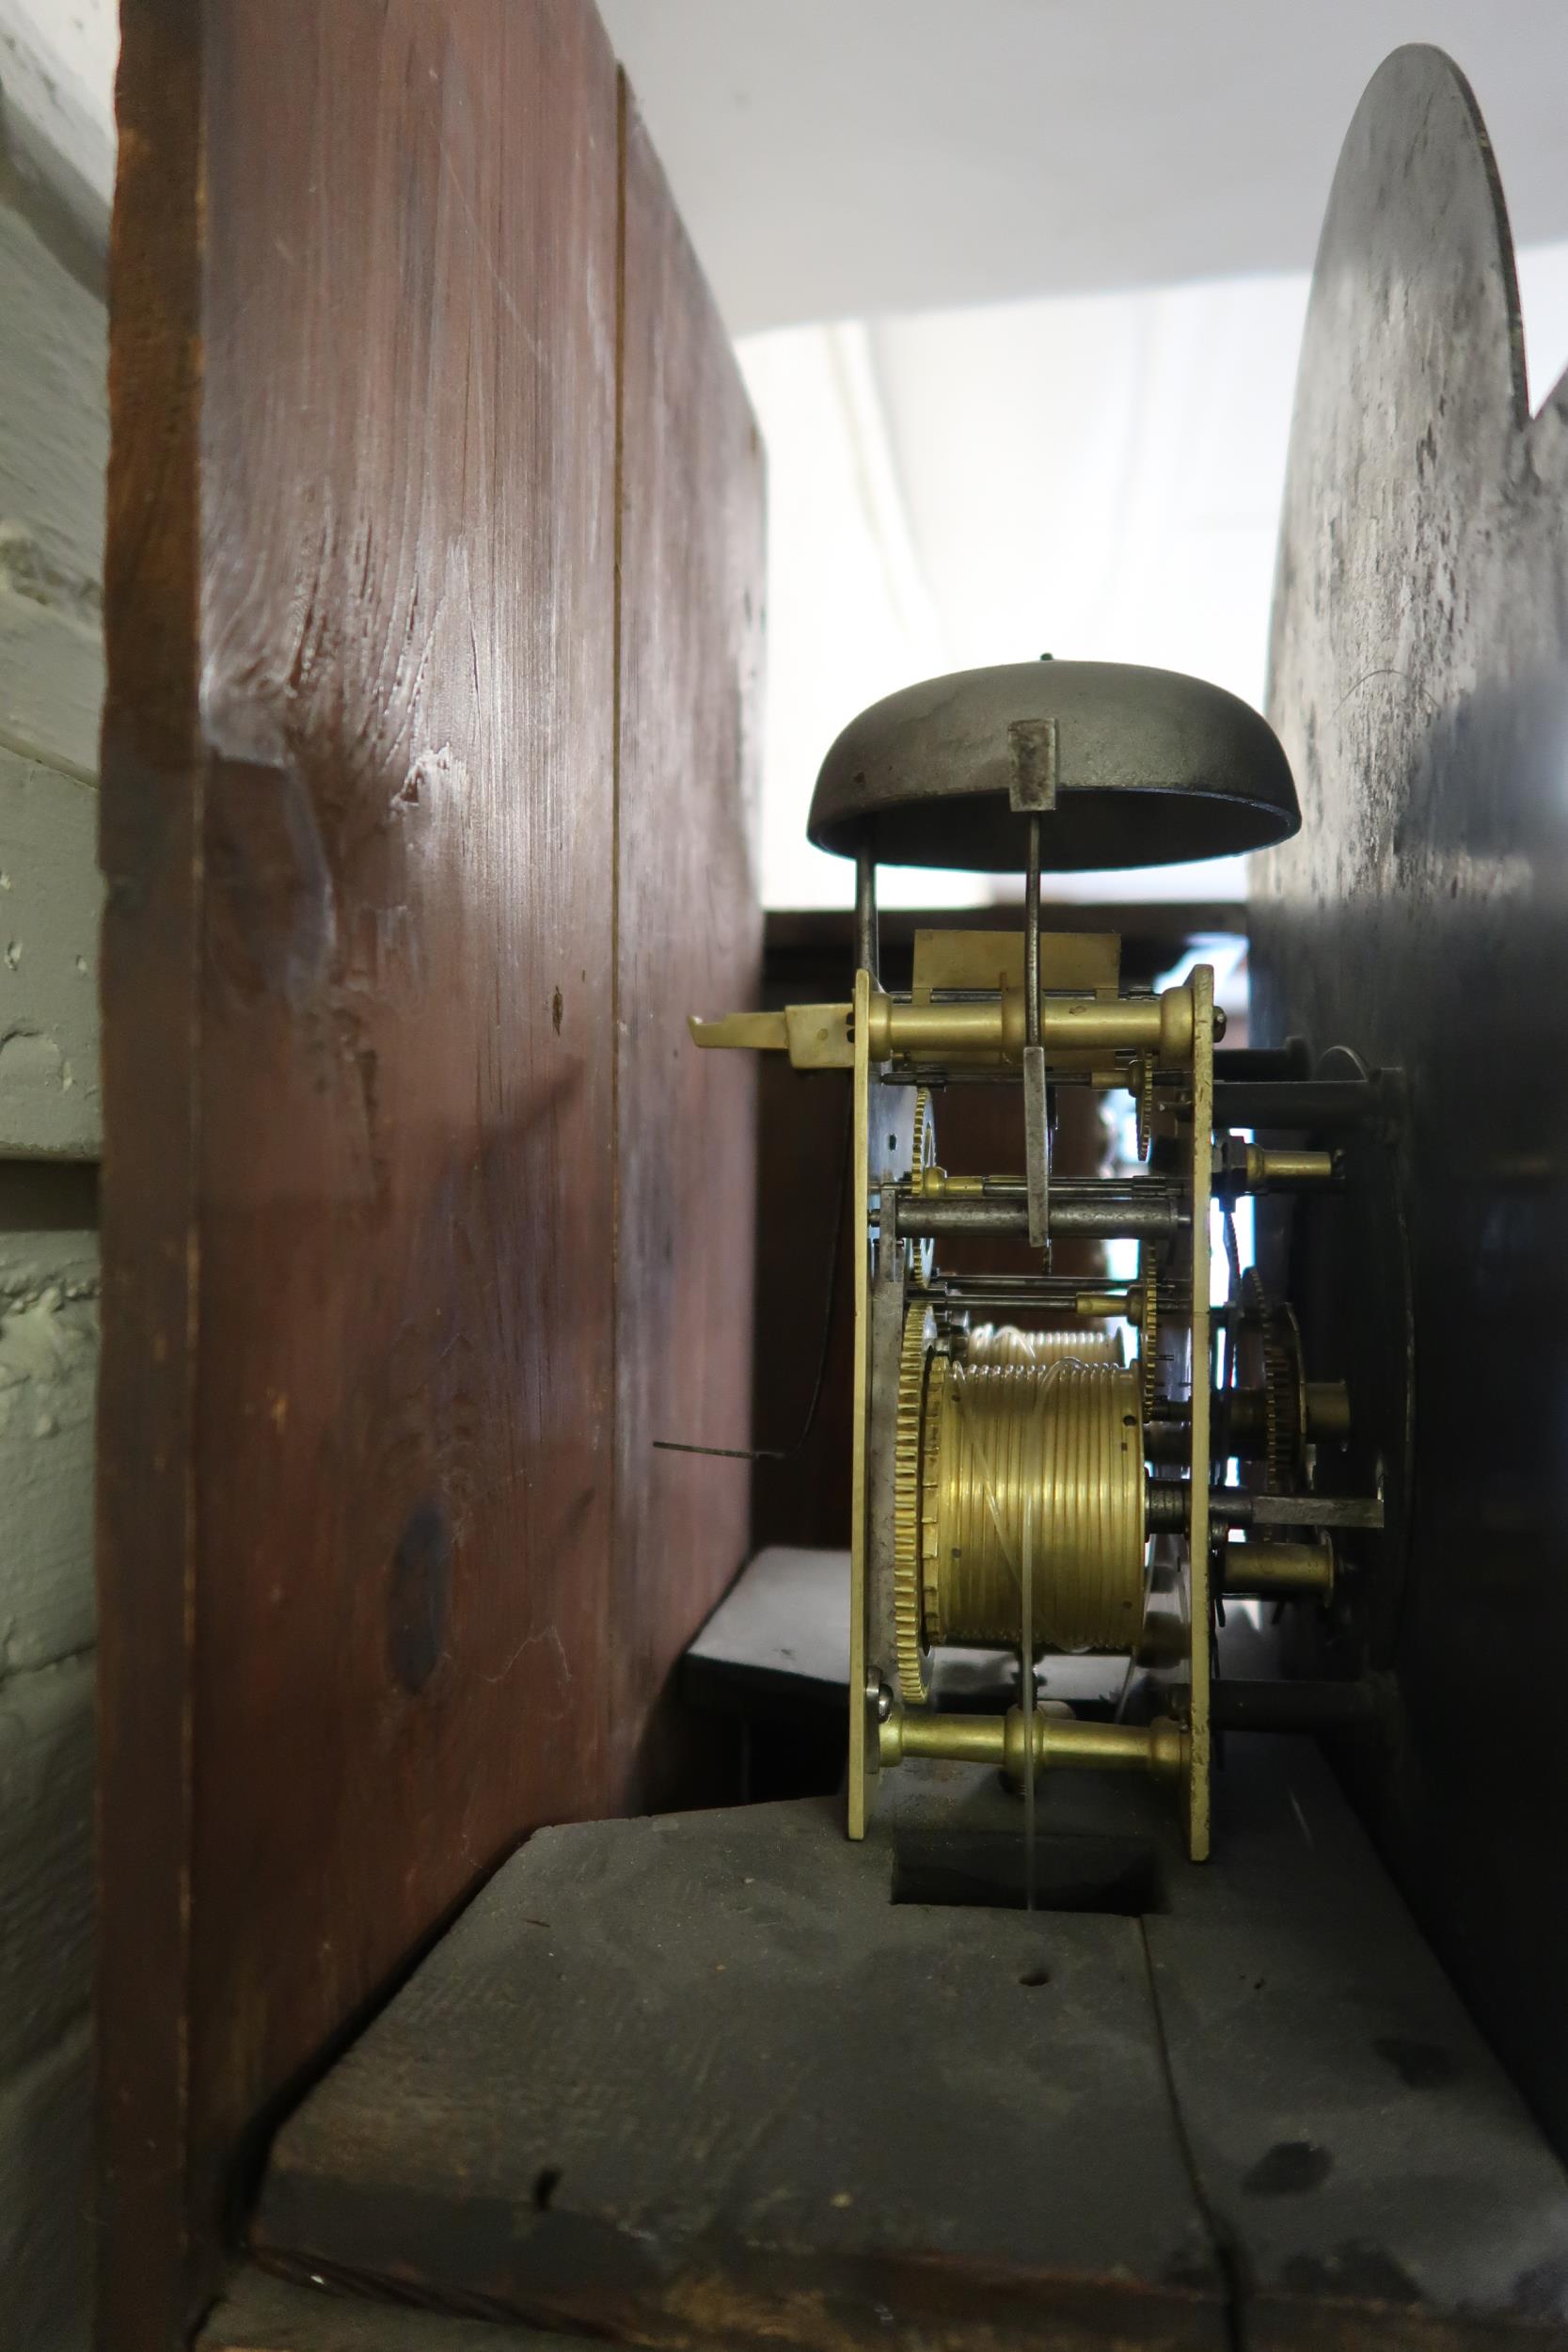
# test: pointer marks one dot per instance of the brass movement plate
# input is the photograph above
(1079, 961)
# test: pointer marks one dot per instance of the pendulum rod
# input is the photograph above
(1027, 1695)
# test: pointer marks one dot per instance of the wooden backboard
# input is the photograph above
(433, 614)
(1419, 663)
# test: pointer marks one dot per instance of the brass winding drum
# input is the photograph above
(1005, 1344)
(982, 1446)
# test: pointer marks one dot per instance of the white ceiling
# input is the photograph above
(846, 158)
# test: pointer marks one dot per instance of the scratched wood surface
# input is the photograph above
(689, 938)
(792, 2110)
(358, 1424)
(780, 2109)
(257, 2313)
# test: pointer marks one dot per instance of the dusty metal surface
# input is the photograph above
(1147, 765)
(1420, 688)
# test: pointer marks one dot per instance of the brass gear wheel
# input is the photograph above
(1143, 1098)
(922, 1154)
(1270, 1330)
(919, 1334)
(1148, 1327)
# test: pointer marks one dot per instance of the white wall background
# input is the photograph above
(1094, 475)
(1064, 253)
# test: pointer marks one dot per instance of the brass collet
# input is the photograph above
(1161, 1747)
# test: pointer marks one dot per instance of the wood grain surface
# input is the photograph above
(790, 2109)
(362, 1603)
(783, 2110)
(689, 938)
(257, 2312)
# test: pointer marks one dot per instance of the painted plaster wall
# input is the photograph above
(52, 449)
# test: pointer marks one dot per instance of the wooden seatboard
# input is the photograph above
(358, 1518)
(257, 2312)
(1354, 2135)
(1370, 2176)
(696, 2077)
(699, 2078)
